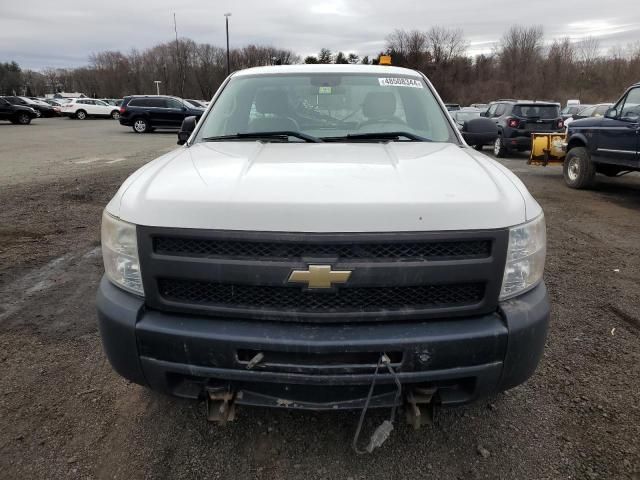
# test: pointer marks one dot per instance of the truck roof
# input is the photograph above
(328, 68)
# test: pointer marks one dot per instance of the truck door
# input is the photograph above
(618, 134)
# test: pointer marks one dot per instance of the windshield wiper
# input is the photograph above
(281, 135)
(378, 136)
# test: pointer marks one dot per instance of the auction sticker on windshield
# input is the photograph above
(399, 82)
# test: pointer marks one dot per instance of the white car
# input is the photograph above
(82, 108)
(324, 228)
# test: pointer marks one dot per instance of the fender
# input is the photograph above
(576, 139)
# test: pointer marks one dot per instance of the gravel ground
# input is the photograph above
(65, 414)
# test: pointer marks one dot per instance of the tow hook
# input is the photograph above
(221, 405)
(420, 409)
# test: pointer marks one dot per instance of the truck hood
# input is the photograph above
(332, 187)
(586, 122)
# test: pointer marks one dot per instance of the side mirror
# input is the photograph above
(611, 113)
(479, 131)
(186, 129)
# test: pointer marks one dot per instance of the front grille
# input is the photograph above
(395, 275)
(207, 248)
(345, 299)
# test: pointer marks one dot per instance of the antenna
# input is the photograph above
(180, 63)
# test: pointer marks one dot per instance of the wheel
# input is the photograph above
(478, 147)
(115, 114)
(140, 125)
(499, 150)
(81, 114)
(578, 169)
(23, 119)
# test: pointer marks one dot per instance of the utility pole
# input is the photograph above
(181, 65)
(227, 15)
(157, 82)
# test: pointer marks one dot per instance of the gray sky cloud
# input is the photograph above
(42, 33)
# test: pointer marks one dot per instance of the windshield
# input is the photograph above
(327, 106)
(536, 111)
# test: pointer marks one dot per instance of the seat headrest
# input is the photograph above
(272, 101)
(379, 105)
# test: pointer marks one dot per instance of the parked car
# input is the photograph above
(18, 114)
(452, 107)
(56, 104)
(287, 257)
(42, 109)
(145, 113)
(518, 119)
(464, 115)
(196, 103)
(593, 111)
(570, 110)
(589, 111)
(82, 108)
(483, 107)
(606, 144)
(112, 101)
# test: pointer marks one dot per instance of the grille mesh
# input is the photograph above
(294, 298)
(205, 248)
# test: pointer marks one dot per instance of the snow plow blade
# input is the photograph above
(547, 148)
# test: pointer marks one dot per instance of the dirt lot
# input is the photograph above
(65, 414)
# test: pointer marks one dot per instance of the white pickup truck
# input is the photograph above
(323, 237)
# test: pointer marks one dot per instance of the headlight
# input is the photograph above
(120, 254)
(525, 258)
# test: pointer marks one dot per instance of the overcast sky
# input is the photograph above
(63, 33)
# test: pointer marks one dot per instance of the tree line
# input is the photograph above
(521, 65)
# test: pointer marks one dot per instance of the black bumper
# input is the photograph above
(322, 366)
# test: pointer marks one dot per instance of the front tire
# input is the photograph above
(140, 125)
(578, 169)
(499, 150)
(115, 114)
(22, 119)
(81, 115)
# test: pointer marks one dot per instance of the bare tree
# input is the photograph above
(520, 54)
(589, 50)
(446, 44)
(325, 56)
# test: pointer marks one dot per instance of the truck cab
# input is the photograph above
(609, 145)
(324, 238)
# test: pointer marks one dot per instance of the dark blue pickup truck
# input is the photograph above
(609, 145)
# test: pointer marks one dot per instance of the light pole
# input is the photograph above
(226, 17)
(157, 82)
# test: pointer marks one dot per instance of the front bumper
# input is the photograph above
(320, 366)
